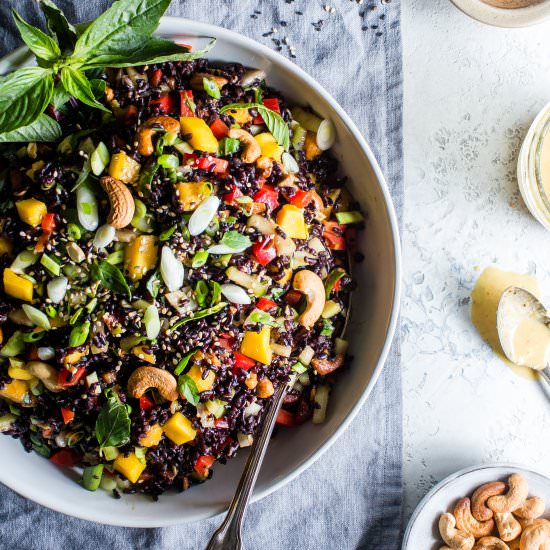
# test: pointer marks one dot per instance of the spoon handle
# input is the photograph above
(228, 535)
(545, 375)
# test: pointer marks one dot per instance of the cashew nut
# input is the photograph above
(122, 202)
(480, 497)
(251, 148)
(196, 81)
(144, 378)
(535, 537)
(466, 522)
(508, 526)
(47, 374)
(490, 543)
(453, 537)
(515, 497)
(147, 130)
(311, 285)
(532, 508)
(530, 522)
(326, 366)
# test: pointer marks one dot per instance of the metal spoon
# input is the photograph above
(517, 305)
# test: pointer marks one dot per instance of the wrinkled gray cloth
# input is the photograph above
(351, 498)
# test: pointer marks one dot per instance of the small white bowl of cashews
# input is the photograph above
(488, 507)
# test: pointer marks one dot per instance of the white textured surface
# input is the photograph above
(471, 92)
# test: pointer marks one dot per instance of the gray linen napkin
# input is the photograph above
(351, 498)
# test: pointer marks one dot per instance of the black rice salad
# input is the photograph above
(165, 266)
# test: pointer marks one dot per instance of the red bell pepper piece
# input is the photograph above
(219, 128)
(333, 233)
(48, 227)
(336, 286)
(67, 415)
(185, 110)
(264, 250)
(265, 304)
(285, 418)
(271, 103)
(226, 342)
(212, 164)
(292, 297)
(301, 199)
(68, 379)
(242, 361)
(268, 195)
(145, 403)
(155, 78)
(235, 193)
(66, 458)
(165, 103)
(203, 464)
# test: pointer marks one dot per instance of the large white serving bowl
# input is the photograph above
(375, 312)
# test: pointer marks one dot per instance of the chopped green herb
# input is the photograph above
(188, 389)
(199, 259)
(183, 362)
(110, 277)
(153, 284)
(328, 328)
(198, 315)
(201, 292)
(228, 146)
(211, 88)
(112, 428)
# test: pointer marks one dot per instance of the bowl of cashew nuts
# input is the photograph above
(489, 507)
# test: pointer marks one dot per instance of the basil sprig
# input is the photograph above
(110, 277)
(120, 37)
(112, 427)
(188, 388)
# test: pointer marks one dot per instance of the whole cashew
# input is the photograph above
(453, 537)
(251, 148)
(466, 522)
(144, 378)
(515, 497)
(531, 522)
(326, 366)
(490, 543)
(47, 374)
(508, 526)
(311, 285)
(535, 537)
(480, 497)
(532, 508)
(146, 131)
(122, 202)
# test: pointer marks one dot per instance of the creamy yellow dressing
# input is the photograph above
(485, 298)
(531, 344)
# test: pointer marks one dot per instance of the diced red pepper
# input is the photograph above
(219, 128)
(235, 193)
(48, 223)
(212, 164)
(226, 342)
(264, 250)
(68, 379)
(336, 286)
(301, 199)
(145, 403)
(333, 233)
(203, 464)
(221, 423)
(268, 195)
(67, 415)
(66, 458)
(185, 110)
(242, 361)
(271, 103)
(265, 304)
(164, 103)
(292, 297)
(285, 418)
(155, 78)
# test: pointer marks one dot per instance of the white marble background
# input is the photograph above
(471, 92)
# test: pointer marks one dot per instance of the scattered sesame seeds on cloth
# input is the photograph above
(351, 498)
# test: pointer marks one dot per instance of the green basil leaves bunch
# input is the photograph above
(120, 37)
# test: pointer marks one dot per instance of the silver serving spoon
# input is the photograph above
(518, 306)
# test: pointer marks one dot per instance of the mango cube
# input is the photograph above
(195, 372)
(269, 146)
(291, 220)
(152, 437)
(256, 345)
(16, 391)
(19, 373)
(141, 256)
(17, 286)
(140, 353)
(6, 246)
(75, 356)
(124, 168)
(311, 149)
(31, 211)
(198, 134)
(191, 194)
(179, 429)
(240, 116)
(129, 466)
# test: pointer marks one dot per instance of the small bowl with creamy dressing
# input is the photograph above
(506, 13)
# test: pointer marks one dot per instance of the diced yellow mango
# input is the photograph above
(17, 286)
(75, 356)
(31, 172)
(311, 148)
(31, 211)
(240, 116)
(256, 345)
(140, 353)
(286, 277)
(291, 220)
(269, 146)
(179, 429)
(19, 373)
(195, 372)
(16, 391)
(152, 436)
(6, 246)
(198, 134)
(191, 194)
(141, 256)
(129, 466)
(124, 168)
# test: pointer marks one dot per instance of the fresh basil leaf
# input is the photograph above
(262, 317)
(58, 25)
(44, 128)
(60, 96)
(198, 315)
(201, 292)
(76, 84)
(98, 86)
(24, 95)
(237, 241)
(40, 44)
(189, 389)
(211, 88)
(183, 362)
(112, 427)
(228, 146)
(153, 284)
(119, 32)
(110, 277)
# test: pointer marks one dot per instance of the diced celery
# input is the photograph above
(100, 159)
(349, 217)
(51, 265)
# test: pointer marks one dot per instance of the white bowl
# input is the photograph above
(422, 530)
(505, 17)
(374, 321)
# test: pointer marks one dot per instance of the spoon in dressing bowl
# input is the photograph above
(523, 326)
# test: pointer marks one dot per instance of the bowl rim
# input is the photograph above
(200, 28)
(456, 475)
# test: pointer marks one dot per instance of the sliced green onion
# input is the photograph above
(86, 206)
(171, 269)
(152, 322)
(73, 231)
(23, 260)
(201, 292)
(213, 227)
(141, 219)
(165, 235)
(168, 161)
(199, 259)
(298, 368)
(99, 159)
(299, 138)
(306, 119)
(349, 217)
(39, 318)
(116, 257)
(326, 135)
(51, 265)
(14, 346)
(170, 138)
(57, 288)
(79, 335)
(91, 305)
(211, 88)
(51, 311)
(110, 453)
(184, 148)
(32, 337)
